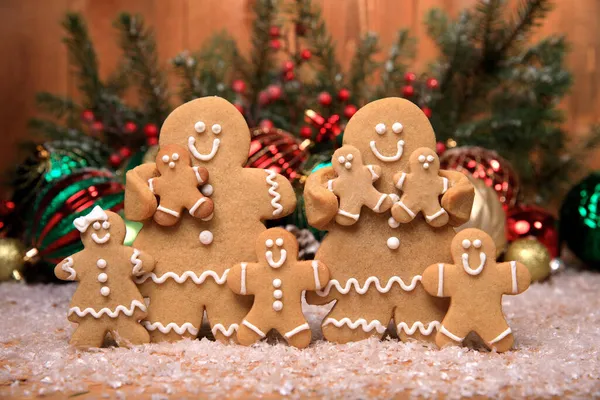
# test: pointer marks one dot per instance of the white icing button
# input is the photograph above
(278, 294)
(175, 156)
(96, 225)
(207, 190)
(349, 157)
(393, 223)
(348, 165)
(171, 164)
(393, 243)
(165, 159)
(106, 224)
(102, 277)
(341, 159)
(101, 263)
(279, 242)
(276, 283)
(477, 243)
(277, 305)
(200, 127)
(269, 243)
(105, 291)
(216, 128)
(206, 237)
(430, 158)
(421, 158)
(397, 127)
(466, 244)
(380, 128)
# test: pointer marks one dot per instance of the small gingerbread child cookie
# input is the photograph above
(354, 185)
(107, 299)
(277, 282)
(475, 284)
(177, 186)
(421, 189)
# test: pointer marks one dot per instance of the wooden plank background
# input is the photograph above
(34, 58)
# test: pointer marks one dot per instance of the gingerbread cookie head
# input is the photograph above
(384, 131)
(170, 156)
(471, 248)
(211, 129)
(100, 228)
(277, 246)
(344, 158)
(424, 159)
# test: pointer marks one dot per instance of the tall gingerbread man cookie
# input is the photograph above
(354, 185)
(277, 281)
(193, 257)
(421, 189)
(107, 299)
(177, 186)
(475, 284)
(376, 264)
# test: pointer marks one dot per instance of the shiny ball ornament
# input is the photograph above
(274, 92)
(274, 31)
(488, 166)
(343, 94)
(580, 220)
(427, 111)
(151, 130)
(275, 44)
(487, 214)
(238, 86)
(324, 99)
(130, 127)
(408, 91)
(350, 110)
(532, 221)
(306, 54)
(88, 116)
(12, 261)
(328, 129)
(533, 254)
(277, 150)
(410, 77)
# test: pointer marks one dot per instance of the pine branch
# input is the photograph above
(530, 14)
(52, 130)
(363, 67)
(59, 107)
(394, 67)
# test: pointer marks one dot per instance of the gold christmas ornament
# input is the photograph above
(12, 260)
(533, 254)
(487, 214)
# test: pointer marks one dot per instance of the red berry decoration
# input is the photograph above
(306, 54)
(114, 160)
(130, 127)
(344, 94)
(306, 132)
(151, 130)
(274, 31)
(427, 111)
(125, 152)
(525, 221)
(432, 83)
(408, 91)
(275, 44)
(239, 107)
(440, 148)
(152, 141)
(97, 127)
(266, 124)
(288, 66)
(274, 92)
(350, 110)
(324, 98)
(263, 98)
(410, 77)
(239, 86)
(88, 116)
(289, 76)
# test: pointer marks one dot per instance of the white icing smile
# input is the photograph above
(467, 266)
(393, 158)
(100, 240)
(276, 264)
(200, 156)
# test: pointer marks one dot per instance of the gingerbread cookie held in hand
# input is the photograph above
(277, 282)
(475, 283)
(354, 185)
(177, 186)
(107, 299)
(421, 188)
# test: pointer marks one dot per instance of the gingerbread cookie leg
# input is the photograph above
(378, 202)
(128, 332)
(450, 333)
(405, 210)
(166, 214)
(298, 336)
(224, 318)
(495, 337)
(89, 333)
(349, 211)
(200, 207)
(435, 215)
(249, 333)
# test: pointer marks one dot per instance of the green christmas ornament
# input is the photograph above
(580, 220)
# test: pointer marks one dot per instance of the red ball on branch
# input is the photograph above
(130, 127)
(306, 132)
(427, 111)
(289, 76)
(274, 92)
(97, 127)
(432, 83)
(288, 66)
(344, 94)
(324, 98)
(114, 160)
(151, 130)
(88, 116)
(239, 86)
(440, 148)
(263, 98)
(275, 44)
(152, 141)
(410, 77)
(266, 124)
(350, 110)
(306, 54)
(408, 91)
(274, 31)
(125, 152)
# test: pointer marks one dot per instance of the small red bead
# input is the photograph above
(151, 130)
(288, 66)
(306, 54)
(97, 126)
(274, 31)
(239, 107)
(324, 98)
(114, 160)
(239, 86)
(88, 116)
(125, 152)
(426, 111)
(344, 94)
(274, 92)
(266, 124)
(408, 91)
(432, 83)
(152, 141)
(410, 77)
(350, 110)
(130, 127)
(263, 98)
(306, 132)
(289, 76)
(440, 148)
(275, 44)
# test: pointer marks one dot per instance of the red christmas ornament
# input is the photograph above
(97, 126)
(152, 141)
(263, 98)
(432, 83)
(239, 86)
(266, 124)
(239, 107)
(277, 150)
(130, 127)
(408, 91)
(125, 152)
(306, 132)
(324, 98)
(306, 54)
(410, 77)
(344, 94)
(440, 148)
(288, 66)
(427, 111)
(151, 130)
(114, 160)
(532, 221)
(274, 92)
(289, 76)
(275, 44)
(350, 110)
(328, 129)
(88, 116)
(485, 164)
(274, 31)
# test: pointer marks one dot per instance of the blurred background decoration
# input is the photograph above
(491, 75)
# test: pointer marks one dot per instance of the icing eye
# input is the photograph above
(348, 165)
(200, 127)
(216, 128)
(430, 158)
(96, 225)
(477, 243)
(466, 244)
(380, 128)
(172, 164)
(175, 156)
(397, 127)
(421, 158)
(279, 242)
(349, 157)
(165, 159)
(269, 243)
(106, 224)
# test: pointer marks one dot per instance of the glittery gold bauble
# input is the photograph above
(533, 254)
(487, 214)
(12, 252)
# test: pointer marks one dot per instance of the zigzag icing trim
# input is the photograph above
(113, 314)
(363, 323)
(198, 280)
(353, 282)
(171, 326)
(403, 326)
(278, 208)
(137, 263)
(226, 332)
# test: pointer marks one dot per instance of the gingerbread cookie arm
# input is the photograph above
(375, 172)
(277, 199)
(66, 270)
(314, 275)
(140, 202)
(516, 277)
(320, 203)
(439, 279)
(141, 262)
(201, 174)
(458, 199)
(237, 278)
